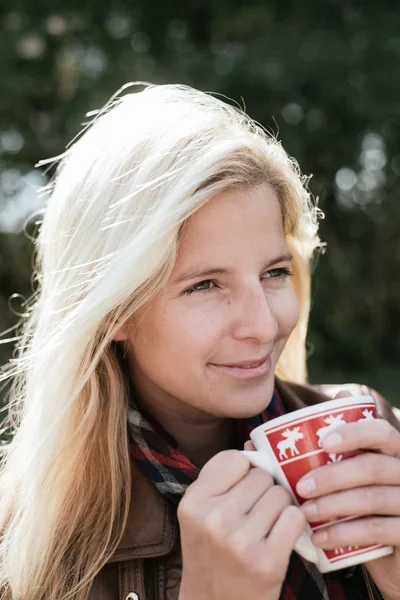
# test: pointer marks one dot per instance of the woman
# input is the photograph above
(173, 287)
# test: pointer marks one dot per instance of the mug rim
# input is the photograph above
(328, 405)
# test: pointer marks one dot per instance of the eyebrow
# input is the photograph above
(197, 273)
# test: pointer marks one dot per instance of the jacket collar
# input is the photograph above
(152, 527)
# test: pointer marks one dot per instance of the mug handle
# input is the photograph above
(303, 546)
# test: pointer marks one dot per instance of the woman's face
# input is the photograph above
(210, 341)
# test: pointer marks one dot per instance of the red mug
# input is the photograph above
(289, 446)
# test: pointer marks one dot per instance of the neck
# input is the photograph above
(202, 440)
(199, 436)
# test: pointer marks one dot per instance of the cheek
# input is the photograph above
(193, 331)
(174, 336)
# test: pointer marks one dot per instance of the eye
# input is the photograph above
(201, 286)
(279, 273)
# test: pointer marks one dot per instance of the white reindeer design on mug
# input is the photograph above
(292, 436)
(368, 415)
(332, 423)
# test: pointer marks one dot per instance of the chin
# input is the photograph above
(242, 402)
(247, 407)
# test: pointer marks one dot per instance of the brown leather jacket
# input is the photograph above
(147, 564)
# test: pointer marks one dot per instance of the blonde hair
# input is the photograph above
(107, 244)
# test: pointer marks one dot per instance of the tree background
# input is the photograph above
(324, 76)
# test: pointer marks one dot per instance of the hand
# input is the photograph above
(367, 485)
(238, 530)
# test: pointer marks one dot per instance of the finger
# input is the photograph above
(368, 468)
(377, 434)
(220, 473)
(249, 445)
(266, 511)
(372, 500)
(362, 532)
(244, 495)
(257, 524)
(284, 534)
(343, 394)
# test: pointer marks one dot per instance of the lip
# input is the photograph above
(239, 369)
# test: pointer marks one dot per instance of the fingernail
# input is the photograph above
(332, 440)
(305, 487)
(320, 537)
(309, 509)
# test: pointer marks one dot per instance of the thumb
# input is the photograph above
(343, 394)
(249, 445)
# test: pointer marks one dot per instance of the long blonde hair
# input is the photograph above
(107, 244)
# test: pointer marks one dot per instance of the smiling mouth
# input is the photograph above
(247, 368)
(246, 364)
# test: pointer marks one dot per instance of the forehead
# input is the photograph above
(233, 220)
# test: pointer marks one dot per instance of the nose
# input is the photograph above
(254, 316)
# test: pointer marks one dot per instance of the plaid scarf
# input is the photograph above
(163, 463)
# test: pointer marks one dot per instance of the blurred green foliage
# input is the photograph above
(322, 75)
